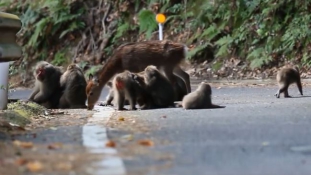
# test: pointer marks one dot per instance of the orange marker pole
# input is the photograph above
(160, 18)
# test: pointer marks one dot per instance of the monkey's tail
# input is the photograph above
(216, 106)
(186, 49)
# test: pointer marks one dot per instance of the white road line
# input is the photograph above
(94, 137)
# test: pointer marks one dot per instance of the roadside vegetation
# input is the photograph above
(231, 38)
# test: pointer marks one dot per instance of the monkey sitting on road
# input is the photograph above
(285, 77)
(73, 84)
(125, 87)
(46, 91)
(200, 98)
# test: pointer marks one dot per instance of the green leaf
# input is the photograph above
(40, 27)
(147, 22)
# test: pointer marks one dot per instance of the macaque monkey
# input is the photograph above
(47, 90)
(200, 98)
(110, 97)
(125, 87)
(180, 88)
(135, 57)
(285, 77)
(73, 84)
(159, 87)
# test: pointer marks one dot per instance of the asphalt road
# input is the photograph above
(255, 134)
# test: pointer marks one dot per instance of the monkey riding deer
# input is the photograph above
(200, 98)
(135, 57)
(46, 91)
(285, 77)
(73, 84)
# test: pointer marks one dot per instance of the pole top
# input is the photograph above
(160, 18)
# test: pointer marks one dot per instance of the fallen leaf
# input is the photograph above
(20, 161)
(23, 144)
(111, 144)
(34, 166)
(146, 142)
(55, 146)
(121, 118)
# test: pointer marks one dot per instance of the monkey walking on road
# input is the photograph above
(125, 87)
(285, 77)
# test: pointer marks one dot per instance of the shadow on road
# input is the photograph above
(306, 96)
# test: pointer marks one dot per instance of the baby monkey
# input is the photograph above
(285, 77)
(125, 87)
(200, 98)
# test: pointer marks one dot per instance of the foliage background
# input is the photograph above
(231, 38)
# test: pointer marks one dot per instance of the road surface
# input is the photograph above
(254, 134)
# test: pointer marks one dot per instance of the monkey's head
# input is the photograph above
(93, 91)
(71, 67)
(296, 68)
(41, 70)
(205, 87)
(138, 77)
(151, 71)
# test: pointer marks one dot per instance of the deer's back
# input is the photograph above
(137, 56)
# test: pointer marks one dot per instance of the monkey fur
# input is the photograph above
(135, 57)
(46, 91)
(200, 98)
(159, 87)
(125, 87)
(180, 89)
(285, 77)
(73, 84)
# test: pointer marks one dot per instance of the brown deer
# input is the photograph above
(135, 57)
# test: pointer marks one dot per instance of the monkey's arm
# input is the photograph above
(35, 91)
(62, 81)
(42, 96)
(108, 101)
